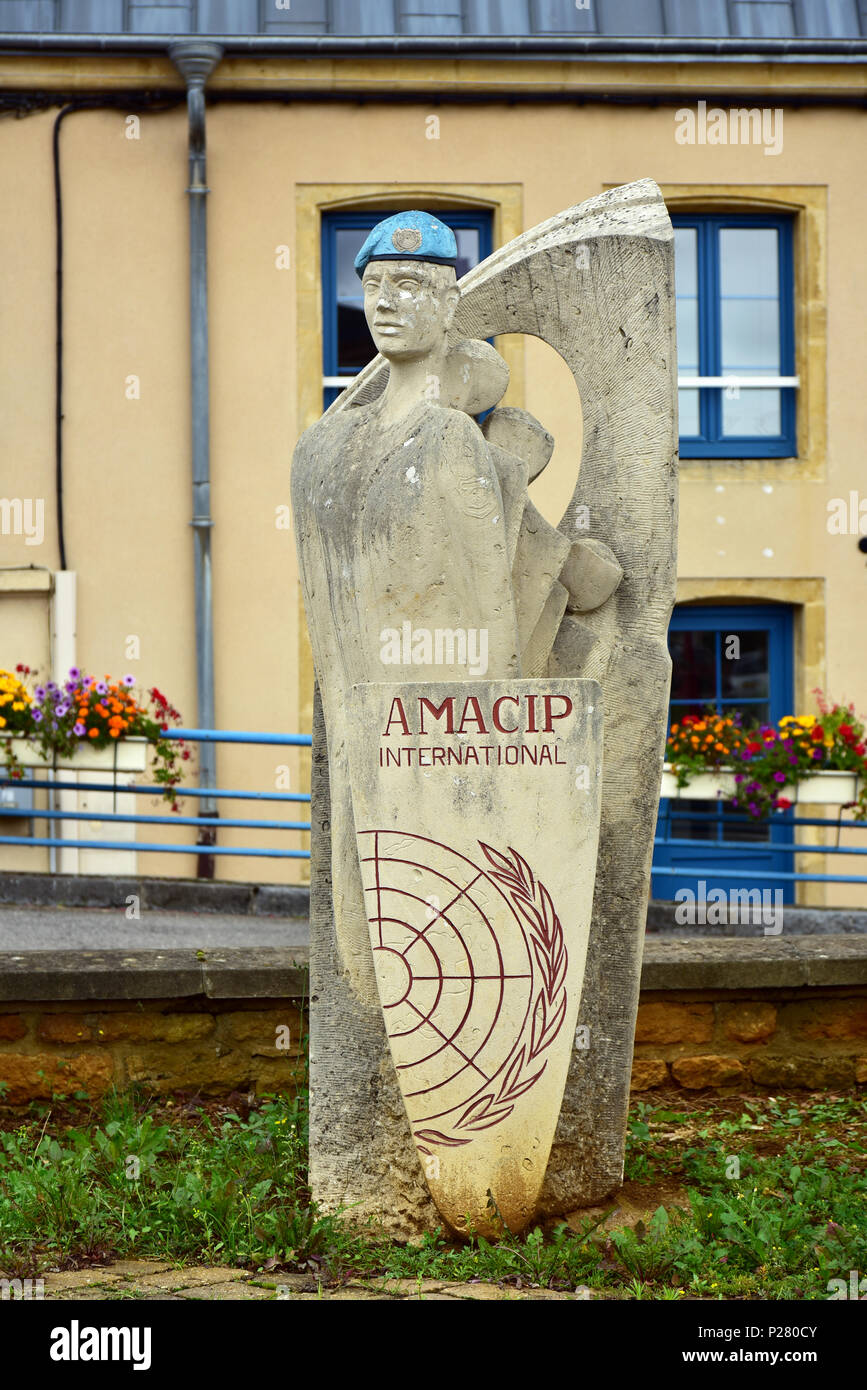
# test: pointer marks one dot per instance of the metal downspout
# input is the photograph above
(196, 61)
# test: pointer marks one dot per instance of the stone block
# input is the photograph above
(156, 1027)
(42, 1075)
(695, 1073)
(832, 1019)
(266, 1030)
(805, 1073)
(661, 1021)
(748, 1022)
(64, 1028)
(648, 1072)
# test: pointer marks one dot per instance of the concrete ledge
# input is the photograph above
(766, 963)
(278, 972)
(166, 894)
(254, 973)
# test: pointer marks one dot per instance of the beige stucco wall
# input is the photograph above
(127, 469)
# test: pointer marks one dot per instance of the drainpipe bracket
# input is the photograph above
(195, 60)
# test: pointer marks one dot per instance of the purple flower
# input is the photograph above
(79, 729)
(74, 673)
(779, 776)
(128, 681)
(36, 715)
(793, 760)
(62, 709)
(51, 686)
(817, 753)
(101, 688)
(753, 809)
(734, 801)
(746, 755)
(739, 776)
(39, 692)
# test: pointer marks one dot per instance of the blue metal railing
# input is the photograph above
(139, 789)
(747, 849)
(664, 838)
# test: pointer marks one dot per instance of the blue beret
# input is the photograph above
(409, 236)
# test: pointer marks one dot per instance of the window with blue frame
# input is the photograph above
(735, 331)
(726, 658)
(346, 343)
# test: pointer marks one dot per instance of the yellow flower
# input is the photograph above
(2, 722)
(806, 721)
(18, 704)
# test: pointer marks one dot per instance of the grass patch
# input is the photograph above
(745, 1197)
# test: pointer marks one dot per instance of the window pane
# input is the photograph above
(693, 656)
(681, 707)
(686, 261)
(750, 337)
(468, 249)
(354, 343)
(751, 714)
(700, 826)
(751, 413)
(745, 671)
(745, 828)
(686, 288)
(687, 337)
(748, 261)
(688, 416)
(750, 327)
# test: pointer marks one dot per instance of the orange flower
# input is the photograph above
(93, 733)
(114, 733)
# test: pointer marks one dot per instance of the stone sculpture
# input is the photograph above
(436, 591)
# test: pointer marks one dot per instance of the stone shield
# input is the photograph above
(477, 808)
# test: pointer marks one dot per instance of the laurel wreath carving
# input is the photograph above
(547, 1011)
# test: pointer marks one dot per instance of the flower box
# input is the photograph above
(820, 789)
(126, 755)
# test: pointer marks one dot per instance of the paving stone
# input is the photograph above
(231, 1289)
(80, 1278)
(193, 1277)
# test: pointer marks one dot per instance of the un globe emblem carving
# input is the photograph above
(471, 964)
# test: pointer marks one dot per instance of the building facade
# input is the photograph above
(749, 115)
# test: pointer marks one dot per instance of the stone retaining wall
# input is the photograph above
(165, 1045)
(774, 1038)
(771, 1013)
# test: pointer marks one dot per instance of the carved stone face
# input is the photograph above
(409, 306)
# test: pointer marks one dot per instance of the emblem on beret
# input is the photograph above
(406, 238)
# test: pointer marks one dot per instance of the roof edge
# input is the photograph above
(668, 48)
